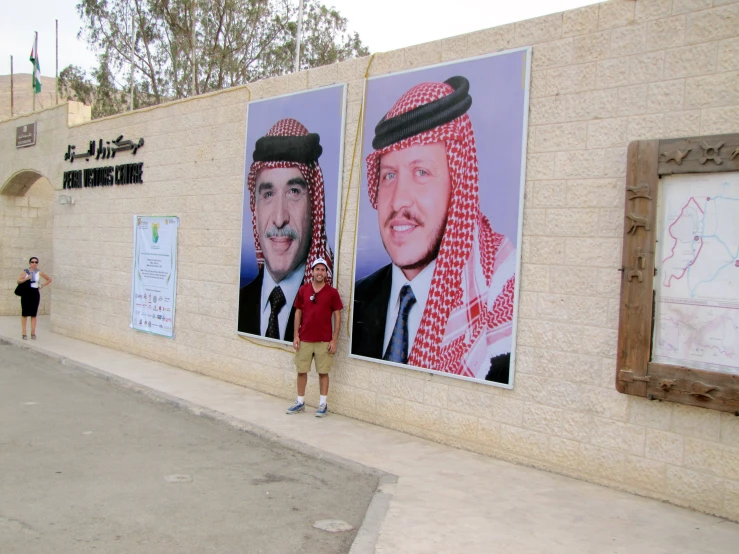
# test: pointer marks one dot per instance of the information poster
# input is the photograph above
(696, 319)
(154, 274)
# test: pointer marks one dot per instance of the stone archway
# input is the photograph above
(26, 229)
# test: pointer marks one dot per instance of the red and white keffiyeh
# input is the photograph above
(469, 313)
(319, 247)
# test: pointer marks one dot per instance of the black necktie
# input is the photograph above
(397, 348)
(276, 302)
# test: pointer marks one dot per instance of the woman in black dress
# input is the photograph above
(31, 296)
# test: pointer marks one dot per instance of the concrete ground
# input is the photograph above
(445, 500)
(89, 466)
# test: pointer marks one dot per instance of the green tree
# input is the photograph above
(234, 42)
(101, 91)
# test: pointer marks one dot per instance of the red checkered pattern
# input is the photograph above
(319, 247)
(468, 316)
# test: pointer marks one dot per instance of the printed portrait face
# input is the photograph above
(283, 213)
(412, 203)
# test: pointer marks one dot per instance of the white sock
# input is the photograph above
(301, 399)
(322, 400)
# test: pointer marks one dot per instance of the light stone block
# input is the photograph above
(666, 96)
(576, 426)
(632, 100)
(728, 55)
(682, 124)
(569, 222)
(715, 458)
(546, 110)
(457, 425)
(488, 433)
(597, 104)
(454, 48)
(543, 250)
(539, 29)
(696, 422)
(605, 133)
(666, 33)
(491, 40)
(552, 54)
(564, 136)
(613, 73)
(534, 222)
(616, 13)
(565, 453)
(647, 67)
(591, 47)
(619, 436)
(689, 61)
(720, 120)
(548, 194)
(686, 6)
(645, 127)
(422, 55)
(712, 91)
(701, 490)
(713, 24)
(628, 40)
(646, 474)
(539, 166)
(580, 21)
(523, 442)
(609, 464)
(569, 79)
(653, 9)
(534, 278)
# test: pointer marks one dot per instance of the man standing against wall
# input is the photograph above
(286, 193)
(316, 304)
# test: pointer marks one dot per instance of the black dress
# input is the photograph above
(29, 302)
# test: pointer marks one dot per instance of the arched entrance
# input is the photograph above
(26, 229)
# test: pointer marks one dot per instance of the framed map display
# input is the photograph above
(679, 315)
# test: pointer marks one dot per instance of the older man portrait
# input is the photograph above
(445, 302)
(286, 195)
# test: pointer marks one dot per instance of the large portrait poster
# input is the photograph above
(154, 274)
(440, 218)
(291, 201)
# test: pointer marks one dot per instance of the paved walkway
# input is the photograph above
(444, 500)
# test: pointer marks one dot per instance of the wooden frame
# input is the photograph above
(636, 374)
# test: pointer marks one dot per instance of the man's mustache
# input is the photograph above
(405, 214)
(281, 232)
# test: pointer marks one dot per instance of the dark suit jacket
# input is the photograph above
(250, 309)
(371, 296)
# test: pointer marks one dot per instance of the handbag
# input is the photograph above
(21, 289)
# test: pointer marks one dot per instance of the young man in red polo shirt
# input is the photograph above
(316, 304)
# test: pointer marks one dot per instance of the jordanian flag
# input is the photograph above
(36, 69)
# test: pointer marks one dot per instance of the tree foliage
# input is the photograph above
(233, 42)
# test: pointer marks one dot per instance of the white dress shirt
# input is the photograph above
(420, 286)
(289, 286)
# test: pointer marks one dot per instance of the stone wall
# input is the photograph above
(602, 76)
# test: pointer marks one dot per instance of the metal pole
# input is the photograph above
(299, 37)
(35, 63)
(11, 86)
(56, 83)
(133, 43)
(193, 48)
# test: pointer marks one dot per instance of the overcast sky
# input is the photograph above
(382, 24)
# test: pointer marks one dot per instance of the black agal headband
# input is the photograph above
(302, 149)
(426, 116)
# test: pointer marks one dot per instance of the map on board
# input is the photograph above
(697, 281)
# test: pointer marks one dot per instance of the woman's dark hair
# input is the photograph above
(32, 258)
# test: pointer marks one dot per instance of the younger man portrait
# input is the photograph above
(445, 301)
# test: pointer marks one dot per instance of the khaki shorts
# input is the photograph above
(305, 354)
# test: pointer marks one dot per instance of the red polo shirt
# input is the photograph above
(315, 324)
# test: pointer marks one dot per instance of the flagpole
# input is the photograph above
(133, 44)
(35, 62)
(56, 80)
(299, 37)
(11, 86)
